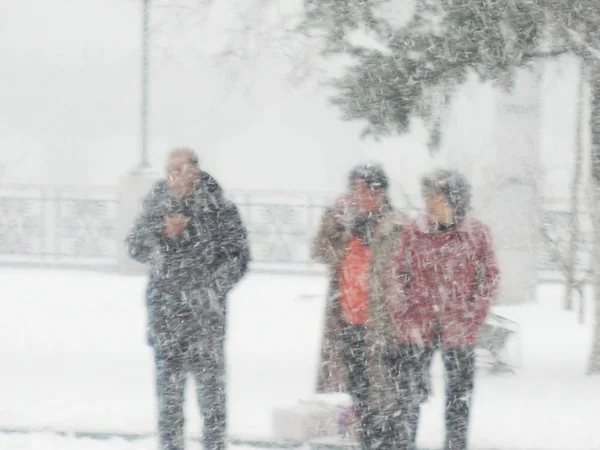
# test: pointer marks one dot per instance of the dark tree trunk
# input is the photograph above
(594, 362)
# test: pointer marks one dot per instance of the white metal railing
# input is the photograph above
(77, 227)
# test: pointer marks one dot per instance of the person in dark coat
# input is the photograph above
(443, 280)
(196, 245)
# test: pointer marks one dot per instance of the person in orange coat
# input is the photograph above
(355, 241)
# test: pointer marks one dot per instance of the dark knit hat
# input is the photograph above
(372, 174)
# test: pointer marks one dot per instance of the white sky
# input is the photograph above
(70, 98)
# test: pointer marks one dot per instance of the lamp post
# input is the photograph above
(144, 161)
(136, 185)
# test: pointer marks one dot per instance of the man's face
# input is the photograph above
(182, 175)
(365, 198)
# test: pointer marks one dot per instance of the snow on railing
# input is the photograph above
(57, 226)
(48, 225)
(281, 226)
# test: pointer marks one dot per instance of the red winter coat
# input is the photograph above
(445, 278)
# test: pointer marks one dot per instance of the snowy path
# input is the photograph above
(74, 358)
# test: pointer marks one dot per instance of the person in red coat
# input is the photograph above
(444, 279)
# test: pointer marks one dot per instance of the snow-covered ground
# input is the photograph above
(73, 356)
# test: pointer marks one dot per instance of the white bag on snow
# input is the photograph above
(324, 415)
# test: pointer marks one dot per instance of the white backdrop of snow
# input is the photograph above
(70, 104)
(73, 356)
(70, 115)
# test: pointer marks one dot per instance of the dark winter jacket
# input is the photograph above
(191, 274)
